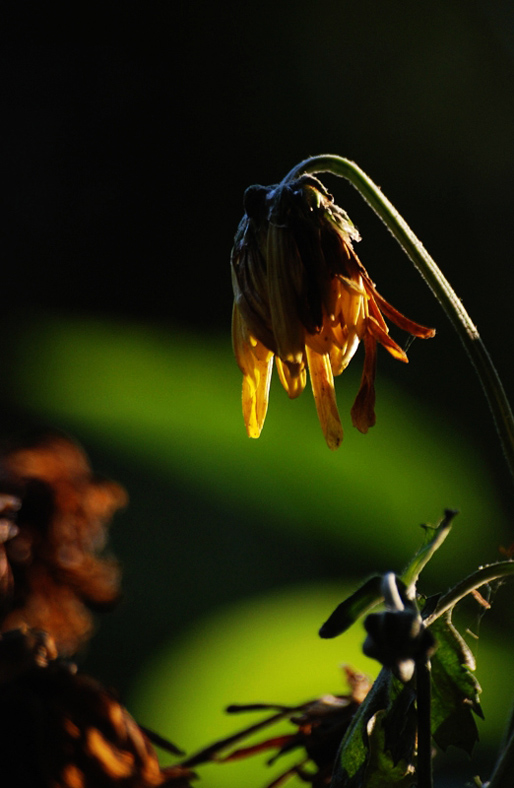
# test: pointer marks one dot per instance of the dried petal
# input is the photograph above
(62, 523)
(363, 410)
(322, 381)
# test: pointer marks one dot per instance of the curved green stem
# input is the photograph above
(486, 574)
(435, 279)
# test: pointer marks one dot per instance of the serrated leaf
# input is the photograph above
(455, 689)
(366, 597)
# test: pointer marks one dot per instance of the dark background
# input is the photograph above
(125, 155)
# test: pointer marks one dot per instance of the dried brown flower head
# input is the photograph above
(52, 570)
(61, 729)
(320, 726)
(302, 296)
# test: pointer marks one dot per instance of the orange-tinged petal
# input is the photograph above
(351, 307)
(355, 286)
(363, 410)
(322, 381)
(116, 763)
(323, 340)
(293, 384)
(385, 340)
(336, 360)
(375, 312)
(350, 346)
(401, 321)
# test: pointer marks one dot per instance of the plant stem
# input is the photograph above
(502, 775)
(486, 574)
(424, 760)
(429, 270)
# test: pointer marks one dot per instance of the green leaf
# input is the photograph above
(378, 747)
(455, 690)
(354, 750)
(366, 597)
(382, 769)
(370, 593)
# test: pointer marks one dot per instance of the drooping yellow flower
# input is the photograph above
(303, 298)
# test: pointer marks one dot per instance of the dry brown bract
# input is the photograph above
(302, 296)
(61, 729)
(319, 727)
(50, 567)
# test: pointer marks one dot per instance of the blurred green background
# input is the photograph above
(125, 160)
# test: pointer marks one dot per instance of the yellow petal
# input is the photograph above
(323, 340)
(336, 360)
(322, 381)
(256, 396)
(293, 384)
(341, 355)
(256, 363)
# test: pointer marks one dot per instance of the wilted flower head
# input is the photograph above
(51, 570)
(62, 729)
(302, 296)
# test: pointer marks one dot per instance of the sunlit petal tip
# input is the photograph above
(293, 384)
(322, 381)
(255, 396)
(334, 436)
(363, 410)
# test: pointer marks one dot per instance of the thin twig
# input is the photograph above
(486, 574)
(504, 769)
